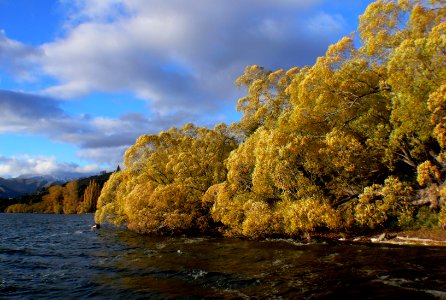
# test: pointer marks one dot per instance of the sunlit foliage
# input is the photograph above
(166, 176)
(380, 204)
(19, 208)
(90, 198)
(355, 141)
(442, 217)
(63, 199)
(54, 200)
(70, 198)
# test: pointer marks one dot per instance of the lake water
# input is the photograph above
(59, 256)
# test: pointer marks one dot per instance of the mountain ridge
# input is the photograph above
(20, 186)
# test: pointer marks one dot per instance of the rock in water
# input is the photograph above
(380, 238)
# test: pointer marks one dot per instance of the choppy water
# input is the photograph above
(59, 256)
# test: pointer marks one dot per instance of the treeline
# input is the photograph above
(74, 197)
(354, 142)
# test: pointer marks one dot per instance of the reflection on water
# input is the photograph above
(51, 256)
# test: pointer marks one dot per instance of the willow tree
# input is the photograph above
(53, 201)
(323, 147)
(164, 180)
(266, 100)
(70, 195)
(329, 136)
(90, 198)
(353, 140)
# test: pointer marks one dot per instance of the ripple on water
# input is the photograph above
(51, 256)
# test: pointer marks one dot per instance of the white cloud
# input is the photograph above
(100, 139)
(326, 24)
(174, 54)
(43, 165)
(112, 156)
(17, 58)
(80, 10)
(179, 56)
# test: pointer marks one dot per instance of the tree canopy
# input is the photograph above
(165, 178)
(354, 141)
(73, 197)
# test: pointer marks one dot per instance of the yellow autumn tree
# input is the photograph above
(166, 175)
(383, 204)
(266, 99)
(110, 206)
(70, 197)
(354, 141)
(341, 128)
(316, 147)
(89, 198)
(54, 200)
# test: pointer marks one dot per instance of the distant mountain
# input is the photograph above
(16, 187)
(37, 176)
(31, 189)
(59, 177)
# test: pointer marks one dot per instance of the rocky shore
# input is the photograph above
(424, 237)
(432, 237)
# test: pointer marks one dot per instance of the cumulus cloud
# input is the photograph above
(100, 139)
(27, 113)
(107, 155)
(181, 55)
(325, 24)
(43, 165)
(17, 58)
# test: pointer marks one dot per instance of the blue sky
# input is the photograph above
(80, 80)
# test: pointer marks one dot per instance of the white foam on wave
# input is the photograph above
(160, 246)
(192, 240)
(288, 241)
(402, 282)
(439, 294)
(57, 234)
(196, 274)
(150, 253)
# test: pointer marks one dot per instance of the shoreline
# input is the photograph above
(419, 237)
